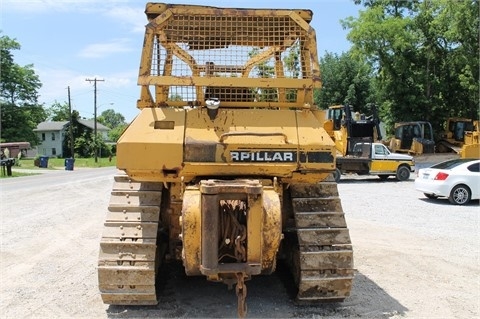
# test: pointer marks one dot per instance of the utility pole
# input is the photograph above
(72, 148)
(95, 80)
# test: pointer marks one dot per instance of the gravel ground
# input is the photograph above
(415, 258)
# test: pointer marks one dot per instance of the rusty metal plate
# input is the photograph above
(321, 289)
(135, 198)
(314, 190)
(133, 214)
(127, 275)
(320, 220)
(110, 251)
(323, 237)
(122, 289)
(332, 204)
(130, 230)
(124, 184)
(130, 299)
(326, 259)
(328, 274)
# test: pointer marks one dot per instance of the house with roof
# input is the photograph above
(52, 134)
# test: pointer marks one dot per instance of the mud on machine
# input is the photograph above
(227, 166)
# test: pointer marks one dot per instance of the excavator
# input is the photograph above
(227, 167)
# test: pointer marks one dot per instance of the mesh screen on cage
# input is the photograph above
(230, 47)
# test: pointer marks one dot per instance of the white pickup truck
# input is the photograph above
(375, 159)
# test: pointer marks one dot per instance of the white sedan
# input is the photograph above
(457, 179)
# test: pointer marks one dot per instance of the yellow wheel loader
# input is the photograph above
(227, 167)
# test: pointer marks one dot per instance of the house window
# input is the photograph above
(43, 136)
(54, 151)
(53, 136)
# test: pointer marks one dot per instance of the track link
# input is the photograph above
(128, 258)
(322, 252)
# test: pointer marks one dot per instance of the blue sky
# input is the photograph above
(69, 41)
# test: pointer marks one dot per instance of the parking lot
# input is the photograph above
(414, 257)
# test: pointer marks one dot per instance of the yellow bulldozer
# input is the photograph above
(460, 136)
(414, 137)
(471, 142)
(348, 128)
(227, 166)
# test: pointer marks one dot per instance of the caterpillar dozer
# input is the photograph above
(415, 137)
(453, 138)
(471, 142)
(227, 167)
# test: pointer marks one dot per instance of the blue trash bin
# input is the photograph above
(69, 164)
(43, 161)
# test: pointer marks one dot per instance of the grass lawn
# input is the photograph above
(56, 163)
(16, 174)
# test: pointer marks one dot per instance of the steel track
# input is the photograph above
(322, 258)
(128, 256)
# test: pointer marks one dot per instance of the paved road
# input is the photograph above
(415, 258)
(51, 177)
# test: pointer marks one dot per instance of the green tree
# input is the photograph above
(20, 110)
(86, 144)
(115, 133)
(345, 80)
(291, 63)
(111, 119)
(77, 131)
(59, 112)
(264, 69)
(425, 57)
(115, 121)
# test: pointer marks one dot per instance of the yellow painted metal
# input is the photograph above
(271, 231)
(460, 136)
(417, 148)
(209, 143)
(223, 117)
(178, 61)
(191, 231)
(264, 231)
(414, 137)
(140, 147)
(255, 229)
(471, 145)
(384, 166)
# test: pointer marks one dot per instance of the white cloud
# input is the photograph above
(131, 16)
(119, 88)
(55, 82)
(100, 50)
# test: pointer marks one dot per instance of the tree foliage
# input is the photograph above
(86, 144)
(344, 81)
(111, 119)
(425, 57)
(115, 133)
(115, 121)
(59, 112)
(83, 140)
(20, 110)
